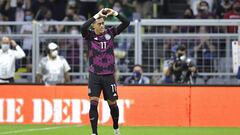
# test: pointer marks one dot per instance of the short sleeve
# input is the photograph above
(66, 66)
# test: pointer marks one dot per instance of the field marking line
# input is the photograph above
(36, 129)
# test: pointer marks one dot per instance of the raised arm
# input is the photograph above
(88, 23)
(19, 53)
(123, 25)
(124, 20)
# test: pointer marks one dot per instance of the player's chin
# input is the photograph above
(102, 30)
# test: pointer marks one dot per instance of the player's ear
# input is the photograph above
(93, 25)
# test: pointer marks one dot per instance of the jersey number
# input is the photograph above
(103, 45)
(114, 88)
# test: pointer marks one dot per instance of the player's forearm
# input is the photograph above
(86, 25)
(124, 24)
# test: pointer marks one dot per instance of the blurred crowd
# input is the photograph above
(202, 49)
(76, 10)
(80, 10)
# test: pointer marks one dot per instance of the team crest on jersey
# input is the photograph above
(107, 36)
(95, 38)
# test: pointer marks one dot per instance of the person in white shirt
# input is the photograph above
(53, 69)
(8, 57)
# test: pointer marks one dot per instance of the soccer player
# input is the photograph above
(53, 69)
(101, 64)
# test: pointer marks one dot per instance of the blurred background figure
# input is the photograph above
(5, 7)
(88, 8)
(137, 76)
(188, 13)
(9, 52)
(233, 14)
(204, 54)
(223, 7)
(27, 41)
(49, 28)
(194, 4)
(180, 69)
(204, 11)
(53, 69)
(4, 29)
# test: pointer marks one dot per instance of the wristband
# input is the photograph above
(96, 16)
(115, 13)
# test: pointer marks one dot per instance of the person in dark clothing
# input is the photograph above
(101, 64)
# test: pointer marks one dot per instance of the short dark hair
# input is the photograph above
(137, 65)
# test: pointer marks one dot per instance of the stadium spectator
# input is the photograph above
(137, 76)
(71, 15)
(195, 3)
(58, 8)
(233, 14)
(39, 8)
(105, 4)
(179, 69)
(223, 7)
(72, 3)
(17, 11)
(5, 7)
(204, 54)
(8, 57)
(49, 28)
(188, 14)
(144, 8)
(170, 44)
(204, 11)
(53, 69)
(27, 29)
(128, 8)
(4, 29)
(88, 8)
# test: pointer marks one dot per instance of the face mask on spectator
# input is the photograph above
(137, 75)
(54, 53)
(28, 18)
(203, 9)
(5, 47)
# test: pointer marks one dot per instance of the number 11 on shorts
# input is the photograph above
(114, 88)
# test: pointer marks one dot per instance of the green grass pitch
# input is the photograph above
(107, 130)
